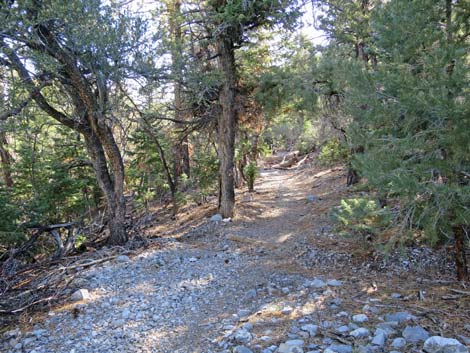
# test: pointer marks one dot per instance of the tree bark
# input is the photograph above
(226, 125)
(460, 255)
(5, 156)
(111, 184)
(6, 160)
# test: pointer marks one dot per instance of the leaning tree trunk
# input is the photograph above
(226, 125)
(102, 149)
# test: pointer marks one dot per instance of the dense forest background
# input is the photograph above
(110, 106)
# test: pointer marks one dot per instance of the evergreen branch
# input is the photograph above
(35, 91)
(17, 110)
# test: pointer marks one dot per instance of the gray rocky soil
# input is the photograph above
(255, 284)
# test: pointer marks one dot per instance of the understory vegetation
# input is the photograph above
(106, 110)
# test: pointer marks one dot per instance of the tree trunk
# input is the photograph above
(460, 256)
(180, 147)
(254, 147)
(226, 125)
(5, 159)
(186, 157)
(5, 156)
(111, 182)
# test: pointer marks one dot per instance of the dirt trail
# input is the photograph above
(205, 284)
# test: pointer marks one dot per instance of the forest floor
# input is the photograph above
(274, 278)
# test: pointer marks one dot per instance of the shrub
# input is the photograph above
(361, 216)
(333, 151)
(251, 172)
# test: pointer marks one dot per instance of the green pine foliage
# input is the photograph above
(361, 216)
(416, 122)
(333, 151)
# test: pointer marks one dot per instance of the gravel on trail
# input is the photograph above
(232, 287)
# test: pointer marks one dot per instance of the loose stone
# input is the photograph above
(292, 346)
(334, 283)
(438, 344)
(398, 342)
(317, 283)
(242, 336)
(80, 294)
(241, 349)
(343, 329)
(340, 348)
(415, 334)
(379, 337)
(310, 328)
(216, 218)
(361, 332)
(400, 317)
(360, 318)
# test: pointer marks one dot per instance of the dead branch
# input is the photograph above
(16, 311)
(461, 292)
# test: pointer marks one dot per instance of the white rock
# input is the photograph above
(334, 283)
(380, 337)
(438, 344)
(292, 346)
(242, 336)
(311, 329)
(415, 334)
(217, 218)
(317, 283)
(287, 310)
(398, 342)
(360, 318)
(80, 294)
(361, 332)
(399, 317)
